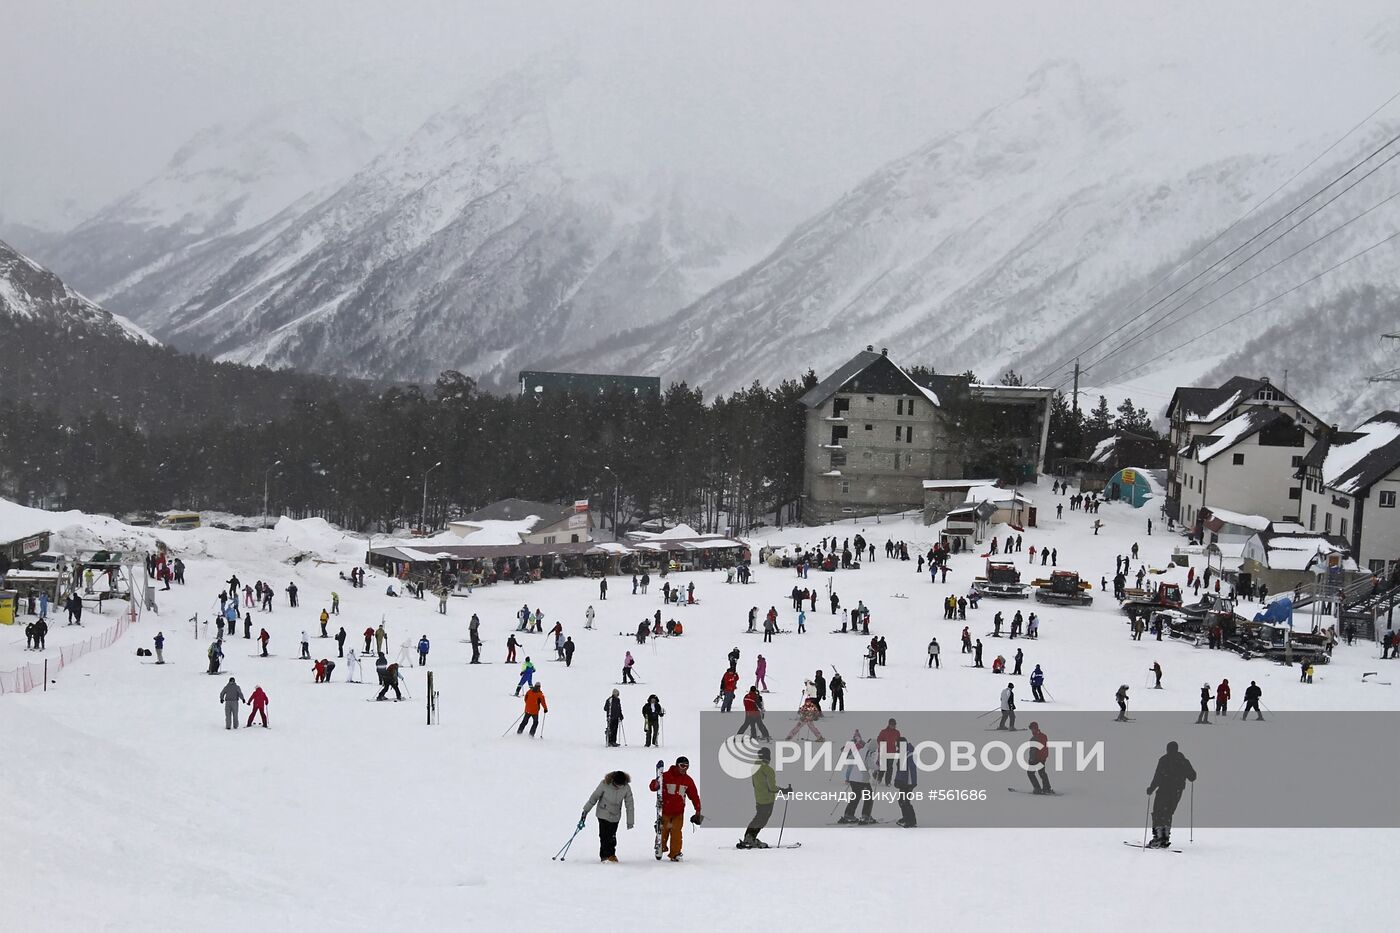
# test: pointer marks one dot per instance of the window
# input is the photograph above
(1342, 529)
(548, 539)
(870, 400)
(909, 407)
(898, 432)
(870, 427)
(909, 434)
(840, 406)
(1297, 460)
(1295, 493)
(837, 459)
(1312, 518)
(1377, 567)
(1327, 523)
(1237, 459)
(1387, 500)
(845, 486)
(899, 407)
(838, 434)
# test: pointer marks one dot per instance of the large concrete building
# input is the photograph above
(874, 435)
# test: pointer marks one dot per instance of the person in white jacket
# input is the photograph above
(1008, 708)
(352, 667)
(611, 794)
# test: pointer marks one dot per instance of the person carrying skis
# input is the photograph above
(765, 792)
(534, 705)
(675, 785)
(423, 651)
(259, 703)
(1037, 679)
(838, 691)
(612, 794)
(527, 674)
(1008, 708)
(1122, 699)
(1252, 693)
(753, 716)
(381, 639)
(612, 712)
(231, 696)
(651, 719)
(1168, 781)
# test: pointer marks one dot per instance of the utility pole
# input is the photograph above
(422, 516)
(1391, 375)
(266, 473)
(1076, 388)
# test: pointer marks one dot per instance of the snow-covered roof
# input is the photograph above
(995, 494)
(956, 483)
(1294, 551)
(1353, 464)
(1243, 425)
(1103, 450)
(487, 531)
(1257, 522)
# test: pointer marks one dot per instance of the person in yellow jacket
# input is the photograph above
(534, 705)
(325, 618)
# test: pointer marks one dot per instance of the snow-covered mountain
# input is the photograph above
(1031, 234)
(28, 290)
(470, 246)
(226, 180)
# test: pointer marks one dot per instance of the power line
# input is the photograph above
(1238, 220)
(1262, 304)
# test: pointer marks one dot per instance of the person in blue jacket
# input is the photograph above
(423, 651)
(160, 647)
(1037, 678)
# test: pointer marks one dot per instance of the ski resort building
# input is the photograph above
(512, 521)
(1197, 411)
(1348, 485)
(874, 435)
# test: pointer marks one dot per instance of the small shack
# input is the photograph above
(942, 496)
(1131, 485)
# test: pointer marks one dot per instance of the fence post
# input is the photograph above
(46, 675)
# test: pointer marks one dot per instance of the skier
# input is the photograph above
(1222, 698)
(340, 643)
(603, 588)
(765, 792)
(728, 684)
(259, 703)
(612, 793)
(263, 639)
(588, 618)
(838, 691)
(966, 641)
(534, 705)
(627, 663)
(753, 716)
(1156, 670)
(1037, 679)
(820, 682)
(423, 651)
(231, 696)
(369, 637)
(335, 603)
(612, 711)
(1008, 708)
(1168, 781)
(474, 636)
(511, 645)
(651, 720)
(734, 658)
(391, 682)
(216, 655)
(906, 778)
(933, 653)
(977, 654)
(760, 673)
(568, 652)
(1204, 714)
(1122, 697)
(1019, 657)
(325, 620)
(1252, 693)
(292, 595)
(305, 647)
(353, 673)
(381, 639)
(527, 674)
(857, 774)
(675, 785)
(159, 643)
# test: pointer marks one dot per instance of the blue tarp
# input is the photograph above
(1278, 612)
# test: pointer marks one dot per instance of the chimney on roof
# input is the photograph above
(870, 348)
(884, 351)
(1264, 379)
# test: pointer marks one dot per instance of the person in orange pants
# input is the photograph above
(675, 786)
(259, 703)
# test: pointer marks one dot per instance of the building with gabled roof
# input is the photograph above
(1245, 464)
(874, 434)
(509, 521)
(1196, 411)
(1348, 485)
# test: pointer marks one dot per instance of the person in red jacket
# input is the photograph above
(728, 686)
(1222, 697)
(676, 786)
(263, 639)
(1040, 776)
(753, 716)
(259, 704)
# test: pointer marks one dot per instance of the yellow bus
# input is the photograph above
(180, 521)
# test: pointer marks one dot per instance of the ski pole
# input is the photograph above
(512, 725)
(1048, 693)
(783, 823)
(624, 734)
(990, 711)
(544, 718)
(1192, 838)
(1146, 818)
(564, 850)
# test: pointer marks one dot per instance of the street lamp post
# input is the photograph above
(266, 474)
(422, 516)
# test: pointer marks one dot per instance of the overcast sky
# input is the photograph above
(802, 98)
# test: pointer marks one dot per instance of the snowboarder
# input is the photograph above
(612, 794)
(534, 705)
(1168, 781)
(675, 786)
(259, 703)
(765, 792)
(651, 720)
(231, 696)
(612, 711)
(1008, 708)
